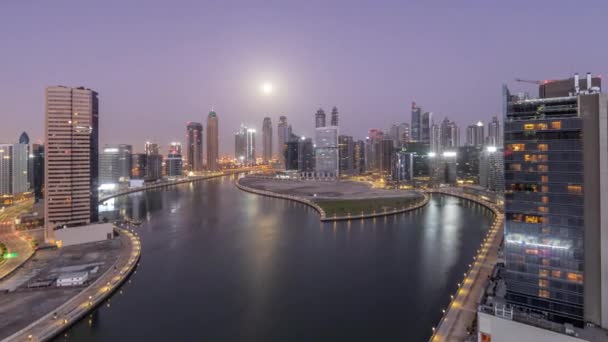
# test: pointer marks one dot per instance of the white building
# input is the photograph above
(73, 279)
(13, 169)
(326, 151)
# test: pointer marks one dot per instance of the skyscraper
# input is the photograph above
(346, 153)
(37, 161)
(250, 147)
(403, 133)
(194, 135)
(13, 169)
(556, 202)
(491, 169)
(334, 116)
(475, 134)
(71, 160)
(425, 127)
(416, 126)
(320, 118)
(403, 171)
(359, 156)
(115, 164)
(240, 144)
(449, 135)
(139, 165)
(151, 148)
(435, 144)
(494, 136)
(306, 155)
(326, 151)
(266, 140)
(212, 141)
(174, 160)
(283, 136)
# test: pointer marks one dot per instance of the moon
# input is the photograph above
(267, 88)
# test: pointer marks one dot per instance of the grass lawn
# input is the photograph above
(365, 206)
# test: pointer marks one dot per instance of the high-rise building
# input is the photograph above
(403, 171)
(174, 163)
(194, 136)
(151, 148)
(24, 139)
(250, 147)
(467, 159)
(494, 136)
(115, 164)
(139, 162)
(212, 141)
(416, 127)
(393, 134)
(435, 143)
(13, 169)
(240, 144)
(425, 127)
(291, 155)
(449, 135)
(334, 116)
(154, 167)
(326, 151)
(266, 140)
(386, 155)
(346, 153)
(359, 156)
(175, 147)
(320, 118)
(403, 134)
(306, 155)
(475, 134)
(492, 169)
(37, 161)
(71, 158)
(372, 149)
(556, 202)
(283, 136)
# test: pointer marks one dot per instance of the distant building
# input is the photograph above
(320, 118)
(250, 147)
(435, 143)
(494, 134)
(240, 144)
(283, 132)
(403, 171)
(416, 127)
(386, 157)
(346, 153)
(359, 157)
(154, 167)
(334, 116)
(326, 151)
(291, 155)
(71, 158)
(425, 127)
(266, 140)
(194, 136)
(421, 160)
(212, 141)
(174, 164)
(151, 148)
(468, 163)
(475, 134)
(37, 168)
(115, 164)
(449, 135)
(491, 169)
(403, 134)
(13, 169)
(139, 162)
(306, 155)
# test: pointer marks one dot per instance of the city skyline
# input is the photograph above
(433, 76)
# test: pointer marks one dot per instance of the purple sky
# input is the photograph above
(157, 65)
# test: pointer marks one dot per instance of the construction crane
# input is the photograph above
(529, 81)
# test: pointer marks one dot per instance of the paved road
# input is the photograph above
(57, 320)
(13, 241)
(463, 307)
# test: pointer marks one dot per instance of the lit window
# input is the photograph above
(575, 189)
(546, 262)
(543, 209)
(530, 157)
(533, 219)
(543, 147)
(544, 179)
(543, 273)
(532, 251)
(543, 283)
(541, 126)
(517, 147)
(543, 293)
(575, 277)
(544, 199)
(529, 127)
(544, 188)
(543, 168)
(556, 274)
(556, 125)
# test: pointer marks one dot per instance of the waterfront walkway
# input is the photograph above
(74, 309)
(462, 310)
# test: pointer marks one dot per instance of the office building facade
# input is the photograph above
(115, 164)
(212, 141)
(194, 137)
(266, 140)
(326, 151)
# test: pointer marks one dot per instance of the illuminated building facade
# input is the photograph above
(71, 158)
(212, 141)
(283, 132)
(326, 151)
(194, 136)
(416, 126)
(115, 164)
(346, 154)
(266, 140)
(556, 202)
(13, 169)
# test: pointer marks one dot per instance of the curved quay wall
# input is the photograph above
(322, 215)
(445, 329)
(70, 312)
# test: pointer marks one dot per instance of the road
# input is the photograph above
(462, 310)
(13, 241)
(71, 311)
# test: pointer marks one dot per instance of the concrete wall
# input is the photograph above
(504, 330)
(83, 234)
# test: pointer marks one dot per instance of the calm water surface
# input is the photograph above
(219, 264)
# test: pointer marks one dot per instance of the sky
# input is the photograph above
(160, 64)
